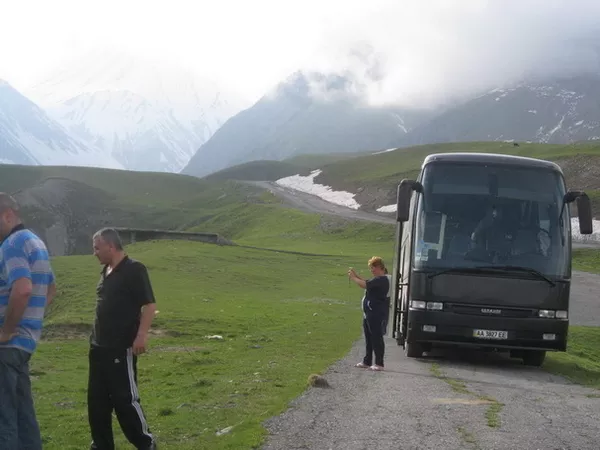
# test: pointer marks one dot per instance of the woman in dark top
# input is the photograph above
(375, 306)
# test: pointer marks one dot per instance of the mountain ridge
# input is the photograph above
(149, 115)
(29, 136)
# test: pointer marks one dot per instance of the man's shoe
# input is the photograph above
(152, 446)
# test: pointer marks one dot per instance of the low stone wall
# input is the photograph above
(133, 235)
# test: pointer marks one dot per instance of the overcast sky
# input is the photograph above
(408, 51)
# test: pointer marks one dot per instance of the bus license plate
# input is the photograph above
(490, 334)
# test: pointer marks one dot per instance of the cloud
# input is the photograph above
(413, 53)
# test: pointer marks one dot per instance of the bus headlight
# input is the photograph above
(562, 314)
(551, 314)
(436, 306)
(432, 306)
(418, 304)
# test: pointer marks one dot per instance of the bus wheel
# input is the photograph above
(413, 350)
(534, 357)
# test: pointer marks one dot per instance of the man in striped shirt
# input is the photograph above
(26, 287)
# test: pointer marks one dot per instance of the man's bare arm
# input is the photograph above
(148, 312)
(141, 340)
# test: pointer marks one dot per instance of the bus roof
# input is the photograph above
(491, 158)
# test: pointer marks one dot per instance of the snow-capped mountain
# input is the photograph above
(306, 113)
(148, 115)
(28, 136)
(558, 111)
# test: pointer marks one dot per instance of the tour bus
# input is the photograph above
(483, 255)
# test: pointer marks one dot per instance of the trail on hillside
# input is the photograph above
(313, 204)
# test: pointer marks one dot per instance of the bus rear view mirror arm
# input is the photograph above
(405, 190)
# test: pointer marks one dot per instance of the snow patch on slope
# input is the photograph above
(306, 184)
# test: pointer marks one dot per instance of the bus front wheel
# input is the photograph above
(413, 350)
(534, 357)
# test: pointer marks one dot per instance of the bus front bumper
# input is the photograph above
(439, 327)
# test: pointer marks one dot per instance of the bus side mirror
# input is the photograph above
(584, 210)
(405, 190)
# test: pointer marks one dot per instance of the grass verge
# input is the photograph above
(581, 362)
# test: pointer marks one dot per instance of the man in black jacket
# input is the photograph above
(375, 307)
(125, 308)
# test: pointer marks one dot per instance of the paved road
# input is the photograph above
(448, 400)
(409, 406)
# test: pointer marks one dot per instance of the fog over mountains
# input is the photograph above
(393, 76)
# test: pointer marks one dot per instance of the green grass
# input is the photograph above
(586, 260)
(259, 171)
(274, 226)
(316, 161)
(581, 362)
(282, 317)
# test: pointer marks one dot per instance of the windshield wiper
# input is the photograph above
(477, 269)
(523, 269)
(483, 269)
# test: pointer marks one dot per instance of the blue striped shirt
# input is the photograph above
(23, 254)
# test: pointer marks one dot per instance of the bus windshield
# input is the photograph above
(472, 215)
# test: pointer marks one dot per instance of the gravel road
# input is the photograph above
(487, 402)
(448, 400)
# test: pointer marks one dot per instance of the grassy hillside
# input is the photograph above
(75, 201)
(259, 171)
(375, 177)
(315, 161)
(99, 197)
(275, 226)
(384, 167)
(130, 186)
(274, 170)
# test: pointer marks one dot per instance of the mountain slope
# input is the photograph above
(559, 111)
(148, 115)
(29, 136)
(294, 119)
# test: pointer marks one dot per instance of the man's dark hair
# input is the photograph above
(110, 236)
(7, 201)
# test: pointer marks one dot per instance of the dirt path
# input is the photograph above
(451, 400)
